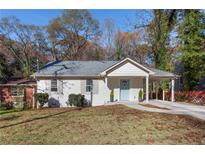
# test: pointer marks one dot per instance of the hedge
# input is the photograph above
(76, 100)
(42, 98)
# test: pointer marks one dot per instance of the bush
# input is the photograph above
(140, 95)
(7, 105)
(76, 100)
(42, 98)
(111, 96)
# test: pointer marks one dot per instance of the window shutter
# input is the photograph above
(83, 88)
(95, 86)
(47, 86)
(60, 86)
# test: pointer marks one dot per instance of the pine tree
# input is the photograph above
(192, 36)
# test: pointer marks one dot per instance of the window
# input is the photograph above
(54, 85)
(17, 91)
(89, 85)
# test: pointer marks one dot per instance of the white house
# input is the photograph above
(125, 78)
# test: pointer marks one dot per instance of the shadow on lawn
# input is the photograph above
(111, 112)
(13, 117)
(34, 119)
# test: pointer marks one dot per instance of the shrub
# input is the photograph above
(140, 95)
(112, 96)
(7, 105)
(181, 96)
(42, 98)
(76, 100)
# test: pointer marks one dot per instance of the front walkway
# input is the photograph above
(174, 108)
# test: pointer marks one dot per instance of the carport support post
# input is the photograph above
(156, 90)
(163, 94)
(172, 93)
(147, 88)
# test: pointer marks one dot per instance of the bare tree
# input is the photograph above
(108, 36)
(130, 44)
(71, 32)
(22, 41)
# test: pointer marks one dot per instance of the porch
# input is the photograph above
(128, 88)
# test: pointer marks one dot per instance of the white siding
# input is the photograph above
(128, 69)
(100, 98)
(74, 87)
(135, 86)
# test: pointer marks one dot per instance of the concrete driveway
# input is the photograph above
(174, 108)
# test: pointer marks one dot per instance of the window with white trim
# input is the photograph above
(89, 85)
(54, 87)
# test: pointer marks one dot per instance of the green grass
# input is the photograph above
(4, 111)
(99, 125)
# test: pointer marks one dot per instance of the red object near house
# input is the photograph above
(197, 97)
(21, 90)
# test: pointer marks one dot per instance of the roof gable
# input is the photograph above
(127, 69)
(125, 61)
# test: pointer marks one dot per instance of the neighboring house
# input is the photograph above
(98, 78)
(19, 91)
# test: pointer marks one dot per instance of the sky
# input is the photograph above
(122, 18)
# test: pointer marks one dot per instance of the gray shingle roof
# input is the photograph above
(75, 68)
(158, 73)
(86, 68)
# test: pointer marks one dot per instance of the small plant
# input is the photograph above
(140, 95)
(112, 96)
(42, 98)
(26, 106)
(19, 105)
(76, 100)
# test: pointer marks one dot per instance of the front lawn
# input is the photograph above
(99, 125)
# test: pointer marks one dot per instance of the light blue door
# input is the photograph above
(124, 90)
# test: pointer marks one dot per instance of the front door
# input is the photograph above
(124, 90)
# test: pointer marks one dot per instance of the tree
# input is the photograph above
(159, 29)
(119, 46)
(4, 69)
(108, 36)
(71, 32)
(95, 51)
(192, 36)
(156, 27)
(22, 41)
(130, 44)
